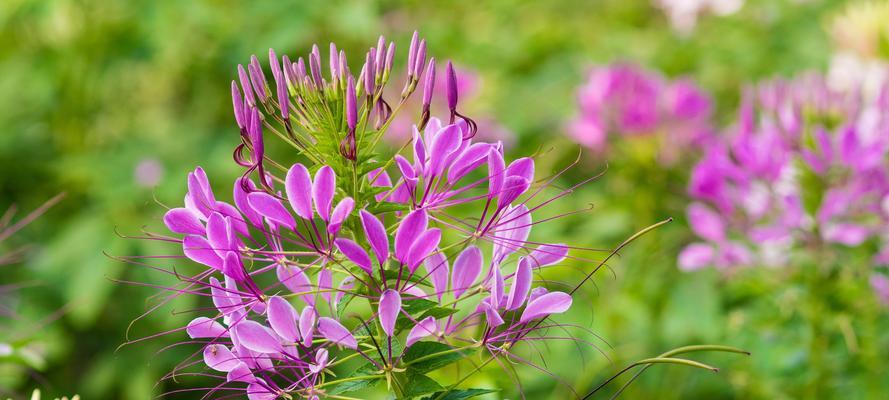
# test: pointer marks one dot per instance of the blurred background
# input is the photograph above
(113, 101)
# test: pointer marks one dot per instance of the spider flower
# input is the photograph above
(804, 164)
(353, 256)
(628, 101)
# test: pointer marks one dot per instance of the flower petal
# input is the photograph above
(437, 268)
(496, 169)
(256, 337)
(548, 254)
(706, 223)
(523, 167)
(521, 285)
(550, 303)
(271, 208)
(424, 328)
(390, 307)
(199, 250)
(220, 358)
(243, 205)
(466, 269)
(354, 253)
(307, 325)
(332, 330)
(282, 318)
(424, 244)
(295, 279)
(410, 229)
(339, 214)
(376, 235)
(203, 327)
(183, 220)
(446, 141)
(298, 185)
(696, 256)
(512, 188)
(322, 191)
(469, 160)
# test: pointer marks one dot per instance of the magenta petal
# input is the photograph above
(492, 316)
(696, 256)
(220, 358)
(523, 167)
(200, 192)
(325, 283)
(233, 268)
(496, 169)
(550, 303)
(240, 197)
(225, 301)
(390, 307)
(424, 244)
(424, 328)
(218, 234)
(307, 325)
(354, 253)
(332, 330)
(282, 318)
(497, 285)
(548, 254)
(521, 285)
(339, 214)
(271, 208)
(537, 292)
(257, 337)
(322, 191)
(407, 170)
(437, 269)
(199, 250)
(298, 185)
(203, 327)
(256, 391)
(466, 269)
(469, 160)
(513, 187)
(410, 229)
(295, 279)
(376, 235)
(513, 233)
(706, 223)
(446, 142)
(234, 217)
(182, 220)
(241, 373)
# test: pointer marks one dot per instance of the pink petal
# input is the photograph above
(325, 283)
(240, 197)
(512, 234)
(257, 337)
(446, 142)
(424, 328)
(491, 315)
(523, 167)
(513, 187)
(225, 301)
(437, 268)
(376, 235)
(232, 267)
(706, 223)
(241, 373)
(339, 214)
(550, 303)
(696, 256)
(255, 391)
(496, 287)
(466, 269)
(548, 254)
(424, 244)
(220, 358)
(411, 227)
(295, 279)
(271, 208)
(496, 169)
(332, 330)
(203, 327)
(521, 285)
(354, 253)
(182, 220)
(298, 185)
(469, 160)
(282, 318)
(322, 191)
(307, 324)
(390, 307)
(199, 250)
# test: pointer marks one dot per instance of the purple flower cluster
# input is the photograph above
(805, 165)
(344, 258)
(626, 100)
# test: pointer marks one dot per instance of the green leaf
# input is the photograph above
(458, 394)
(351, 386)
(419, 384)
(423, 357)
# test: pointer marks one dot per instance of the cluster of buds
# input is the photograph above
(626, 100)
(350, 260)
(804, 166)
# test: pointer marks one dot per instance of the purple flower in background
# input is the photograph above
(803, 164)
(626, 100)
